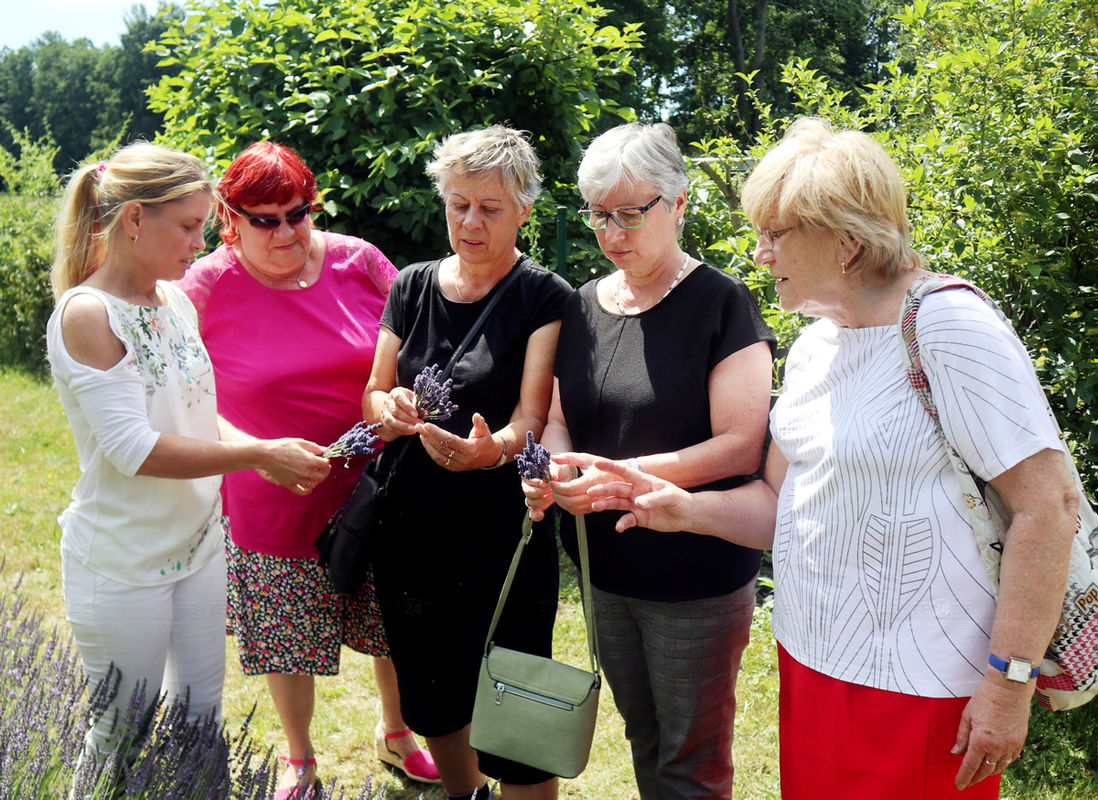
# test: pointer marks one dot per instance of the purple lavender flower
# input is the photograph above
(433, 398)
(533, 461)
(359, 440)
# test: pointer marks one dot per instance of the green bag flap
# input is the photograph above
(540, 675)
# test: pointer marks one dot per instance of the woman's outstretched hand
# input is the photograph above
(295, 464)
(647, 501)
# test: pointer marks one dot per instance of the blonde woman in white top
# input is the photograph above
(142, 545)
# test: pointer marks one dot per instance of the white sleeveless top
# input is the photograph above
(135, 529)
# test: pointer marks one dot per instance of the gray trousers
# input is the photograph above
(672, 668)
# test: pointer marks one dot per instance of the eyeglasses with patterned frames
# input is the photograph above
(767, 236)
(293, 217)
(625, 218)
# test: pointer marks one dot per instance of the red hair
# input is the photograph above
(264, 173)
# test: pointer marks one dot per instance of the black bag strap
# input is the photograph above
(585, 582)
(497, 293)
(459, 351)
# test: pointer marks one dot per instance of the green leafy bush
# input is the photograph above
(363, 91)
(26, 249)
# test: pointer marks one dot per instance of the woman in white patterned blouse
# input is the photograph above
(142, 549)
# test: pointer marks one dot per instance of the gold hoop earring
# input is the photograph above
(842, 265)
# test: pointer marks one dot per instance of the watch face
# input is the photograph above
(1018, 670)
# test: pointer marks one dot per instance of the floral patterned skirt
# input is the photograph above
(288, 619)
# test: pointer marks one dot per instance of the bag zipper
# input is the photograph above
(502, 689)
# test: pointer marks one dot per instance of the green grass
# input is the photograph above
(38, 463)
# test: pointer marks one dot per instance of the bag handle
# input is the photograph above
(459, 351)
(585, 582)
(977, 493)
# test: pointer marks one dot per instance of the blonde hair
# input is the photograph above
(836, 180)
(95, 194)
(497, 147)
(633, 153)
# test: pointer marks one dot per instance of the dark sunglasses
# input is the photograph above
(292, 218)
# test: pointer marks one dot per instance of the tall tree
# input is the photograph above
(70, 90)
(137, 67)
(718, 61)
(81, 96)
(364, 90)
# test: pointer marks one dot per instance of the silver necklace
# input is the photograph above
(298, 279)
(674, 283)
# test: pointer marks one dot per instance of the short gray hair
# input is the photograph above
(495, 148)
(633, 153)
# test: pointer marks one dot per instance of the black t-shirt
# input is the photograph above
(487, 379)
(639, 384)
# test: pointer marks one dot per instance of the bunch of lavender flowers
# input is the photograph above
(433, 398)
(359, 440)
(533, 461)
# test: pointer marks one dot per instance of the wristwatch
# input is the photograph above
(1019, 670)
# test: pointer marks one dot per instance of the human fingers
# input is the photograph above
(580, 460)
(446, 449)
(538, 498)
(293, 462)
(612, 489)
(536, 491)
(480, 427)
(398, 415)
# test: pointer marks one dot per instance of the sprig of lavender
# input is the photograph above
(433, 398)
(533, 461)
(359, 440)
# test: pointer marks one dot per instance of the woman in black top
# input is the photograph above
(665, 363)
(451, 522)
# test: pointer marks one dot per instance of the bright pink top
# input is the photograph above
(290, 363)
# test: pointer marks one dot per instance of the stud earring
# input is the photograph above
(134, 238)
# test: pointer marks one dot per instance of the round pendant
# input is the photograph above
(302, 283)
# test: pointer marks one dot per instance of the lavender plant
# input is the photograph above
(432, 398)
(359, 440)
(159, 752)
(533, 461)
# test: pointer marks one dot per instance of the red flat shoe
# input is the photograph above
(311, 792)
(419, 766)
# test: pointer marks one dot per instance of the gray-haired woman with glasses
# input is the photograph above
(664, 363)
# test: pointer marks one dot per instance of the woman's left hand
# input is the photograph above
(993, 729)
(450, 451)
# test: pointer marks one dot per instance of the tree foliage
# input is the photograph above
(363, 92)
(79, 95)
(26, 248)
(989, 110)
(706, 65)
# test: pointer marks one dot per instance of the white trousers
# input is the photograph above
(171, 636)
